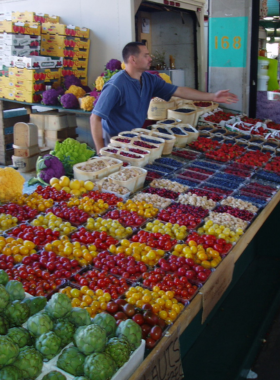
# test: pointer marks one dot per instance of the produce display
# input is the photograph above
(115, 270)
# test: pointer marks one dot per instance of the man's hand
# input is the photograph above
(224, 96)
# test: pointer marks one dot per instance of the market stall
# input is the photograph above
(165, 213)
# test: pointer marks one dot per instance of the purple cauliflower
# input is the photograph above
(87, 89)
(69, 101)
(48, 167)
(50, 97)
(60, 91)
(113, 65)
(70, 80)
(94, 93)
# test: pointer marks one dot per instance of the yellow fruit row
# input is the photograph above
(173, 230)
(54, 223)
(208, 258)
(85, 298)
(88, 205)
(147, 210)
(84, 255)
(34, 200)
(140, 251)
(163, 303)
(18, 248)
(75, 187)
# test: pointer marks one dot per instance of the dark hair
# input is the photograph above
(132, 48)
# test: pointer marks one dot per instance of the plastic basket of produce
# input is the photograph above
(191, 131)
(133, 159)
(167, 122)
(169, 141)
(96, 168)
(133, 149)
(158, 108)
(186, 113)
(182, 137)
(132, 178)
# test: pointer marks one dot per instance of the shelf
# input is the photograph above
(76, 111)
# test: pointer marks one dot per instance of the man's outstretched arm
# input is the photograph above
(96, 131)
(223, 96)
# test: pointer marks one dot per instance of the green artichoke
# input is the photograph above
(71, 360)
(8, 351)
(90, 339)
(4, 325)
(17, 313)
(39, 324)
(132, 331)
(99, 367)
(15, 289)
(65, 330)
(35, 304)
(20, 336)
(10, 373)
(30, 363)
(4, 278)
(48, 344)
(58, 306)
(80, 378)
(54, 375)
(4, 297)
(119, 349)
(79, 317)
(107, 322)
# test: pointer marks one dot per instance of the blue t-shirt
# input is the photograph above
(123, 103)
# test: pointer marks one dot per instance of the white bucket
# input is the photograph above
(262, 82)
(262, 67)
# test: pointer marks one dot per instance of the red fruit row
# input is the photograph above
(205, 193)
(37, 234)
(154, 240)
(126, 218)
(210, 241)
(50, 192)
(126, 267)
(100, 239)
(73, 214)
(152, 326)
(110, 199)
(22, 213)
(164, 193)
(95, 279)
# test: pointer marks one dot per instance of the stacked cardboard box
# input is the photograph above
(26, 149)
(54, 126)
(34, 17)
(69, 42)
(27, 84)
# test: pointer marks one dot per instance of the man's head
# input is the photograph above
(137, 55)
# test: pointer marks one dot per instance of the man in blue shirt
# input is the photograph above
(124, 101)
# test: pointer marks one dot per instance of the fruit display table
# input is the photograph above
(164, 359)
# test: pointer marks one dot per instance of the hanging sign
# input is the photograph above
(228, 41)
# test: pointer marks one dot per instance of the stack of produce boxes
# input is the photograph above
(70, 42)
(25, 74)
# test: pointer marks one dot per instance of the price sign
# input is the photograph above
(228, 41)
(166, 363)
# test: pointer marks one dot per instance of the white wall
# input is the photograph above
(111, 23)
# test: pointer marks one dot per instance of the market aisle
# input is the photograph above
(267, 365)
